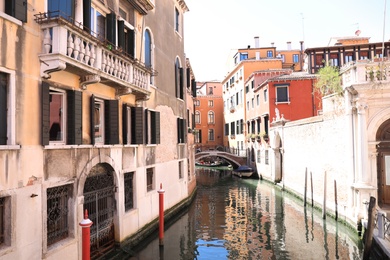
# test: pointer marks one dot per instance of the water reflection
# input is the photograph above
(234, 218)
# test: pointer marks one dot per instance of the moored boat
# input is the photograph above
(209, 164)
(243, 171)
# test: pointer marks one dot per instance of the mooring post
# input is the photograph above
(161, 216)
(335, 199)
(324, 202)
(370, 229)
(304, 196)
(86, 224)
(311, 185)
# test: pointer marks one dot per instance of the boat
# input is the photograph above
(243, 171)
(209, 164)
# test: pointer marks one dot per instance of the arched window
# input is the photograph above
(210, 117)
(197, 117)
(148, 49)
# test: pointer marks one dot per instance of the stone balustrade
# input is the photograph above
(364, 71)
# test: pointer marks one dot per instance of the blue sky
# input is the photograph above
(213, 28)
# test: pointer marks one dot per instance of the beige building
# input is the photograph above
(93, 116)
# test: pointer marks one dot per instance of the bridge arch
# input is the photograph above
(234, 160)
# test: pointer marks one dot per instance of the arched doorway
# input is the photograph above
(99, 200)
(383, 163)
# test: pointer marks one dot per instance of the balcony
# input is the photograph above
(366, 71)
(66, 46)
(142, 6)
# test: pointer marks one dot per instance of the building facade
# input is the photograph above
(84, 88)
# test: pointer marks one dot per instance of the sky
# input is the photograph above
(215, 29)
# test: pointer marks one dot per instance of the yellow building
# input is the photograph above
(93, 116)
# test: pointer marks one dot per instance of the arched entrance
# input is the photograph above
(99, 200)
(383, 163)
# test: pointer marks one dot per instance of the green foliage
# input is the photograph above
(329, 81)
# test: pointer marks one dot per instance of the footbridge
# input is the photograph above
(234, 159)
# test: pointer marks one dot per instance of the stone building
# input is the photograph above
(93, 116)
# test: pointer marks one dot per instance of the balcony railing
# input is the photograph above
(364, 71)
(66, 46)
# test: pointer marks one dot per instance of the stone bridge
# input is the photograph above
(233, 159)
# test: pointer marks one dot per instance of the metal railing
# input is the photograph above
(232, 150)
(383, 225)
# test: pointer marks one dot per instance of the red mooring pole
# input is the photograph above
(86, 224)
(161, 215)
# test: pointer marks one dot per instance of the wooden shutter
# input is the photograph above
(155, 120)
(137, 125)
(184, 132)
(130, 43)
(176, 82)
(124, 124)
(111, 28)
(111, 122)
(178, 123)
(181, 81)
(74, 117)
(121, 35)
(200, 136)
(193, 87)
(92, 117)
(188, 76)
(146, 127)
(87, 15)
(17, 9)
(45, 102)
(3, 108)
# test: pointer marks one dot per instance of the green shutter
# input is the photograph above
(124, 123)
(111, 122)
(121, 35)
(45, 112)
(111, 28)
(137, 125)
(74, 117)
(87, 15)
(92, 117)
(155, 120)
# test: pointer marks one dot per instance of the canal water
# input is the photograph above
(234, 218)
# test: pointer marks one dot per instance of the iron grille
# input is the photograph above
(57, 213)
(128, 179)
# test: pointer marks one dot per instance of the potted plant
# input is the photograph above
(265, 136)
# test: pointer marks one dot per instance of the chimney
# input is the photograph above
(257, 44)
(249, 47)
(289, 46)
(272, 44)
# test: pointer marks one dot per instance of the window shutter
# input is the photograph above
(200, 136)
(193, 120)
(124, 124)
(176, 82)
(146, 128)
(92, 117)
(45, 95)
(74, 117)
(111, 28)
(137, 125)
(121, 35)
(184, 127)
(181, 83)
(111, 122)
(130, 43)
(87, 14)
(178, 130)
(155, 127)
(17, 9)
(193, 86)
(188, 74)
(3, 108)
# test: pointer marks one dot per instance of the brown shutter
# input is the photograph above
(74, 117)
(155, 127)
(124, 123)
(45, 101)
(92, 117)
(111, 122)
(87, 15)
(137, 125)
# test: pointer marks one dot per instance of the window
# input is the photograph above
(58, 200)
(197, 117)
(265, 95)
(179, 80)
(17, 9)
(5, 221)
(148, 49)
(270, 54)
(198, 137)
(253, 102)
(237, 99)
(334, 59)
(7, 107)
(247, 105)
(282, 93)
(181, 131)
(152, 127)
(211, 103)
(210, 90)
(126, 40)
(348, 57)
(210, 117)
(129, 190)
(126, 124)
(257, 100)
(226, 129)
(177, 20)
(61, 116)
(295, 58)
(98, 24)
(243, 56)
(238, 127)
(181, 165)
(258, 156)
(197, 103)
(211, 135)
(266, 157)
(149, 179)
(104, 121)
(242, 126)
(283, 58)
(233, 128)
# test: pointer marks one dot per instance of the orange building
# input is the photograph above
(209, 115)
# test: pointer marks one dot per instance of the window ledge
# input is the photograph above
(10, 147)
(52, 249)
(286, 102)
(11, 19)
(71, 146)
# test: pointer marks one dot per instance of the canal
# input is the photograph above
(234, 218)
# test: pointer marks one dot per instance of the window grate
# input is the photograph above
(57, 213)
(129, 201)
